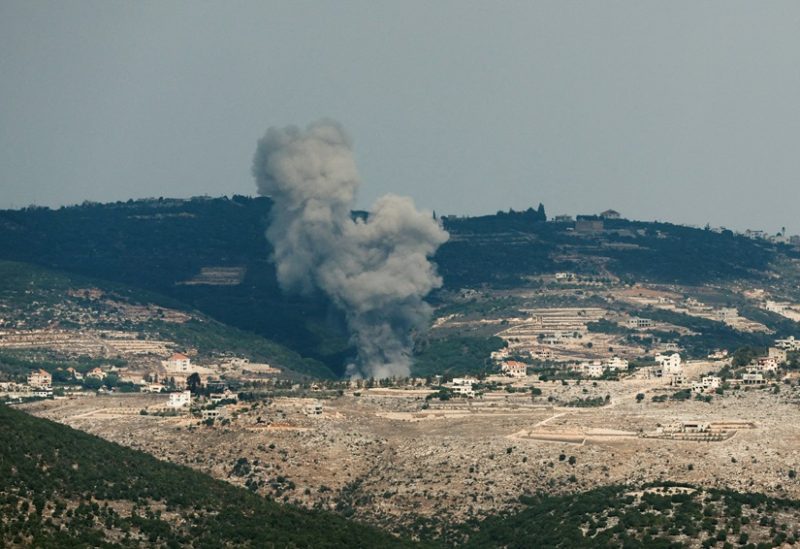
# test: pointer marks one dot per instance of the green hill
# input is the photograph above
(617, 516)
(161, 244)
(64, 488)
(38, 297)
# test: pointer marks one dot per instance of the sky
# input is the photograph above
(680, 111)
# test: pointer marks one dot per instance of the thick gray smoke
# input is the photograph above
(376, 270)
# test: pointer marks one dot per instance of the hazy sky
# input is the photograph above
(680, 111)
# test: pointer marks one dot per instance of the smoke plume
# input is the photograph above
(376, 270)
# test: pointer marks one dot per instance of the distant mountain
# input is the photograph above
(211, 254)
(502, 249)
(64, 488)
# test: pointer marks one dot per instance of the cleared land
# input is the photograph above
(382, 456)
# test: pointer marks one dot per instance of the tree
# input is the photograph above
(640, 397)
(193, 383)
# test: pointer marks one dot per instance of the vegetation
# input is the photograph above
(64, 488)
(710, 334)
(616, 517)
(156, 245)
(455, 356)
(31, 289)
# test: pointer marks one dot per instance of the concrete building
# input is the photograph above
(589, 224)
(707, 384)
(753, 379)
(214, 413)
(514, 368)
(779, 307)
(178, 362)
(788, 344)
(40, 378)
(180, 400)
(463, 386)
(617, 364)
(678, 379)
(779, 355)
(611, 214)
(637, 323)
(96, 373)
(227, 394)
(592, 369)
(764, 364)
(670, 364)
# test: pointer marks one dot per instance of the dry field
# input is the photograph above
(384, 458)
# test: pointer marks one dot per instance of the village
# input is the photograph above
(461, 448)
(595, 382)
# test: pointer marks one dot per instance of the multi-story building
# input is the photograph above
(40, 378)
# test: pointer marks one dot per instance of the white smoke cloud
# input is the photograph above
(377, 271)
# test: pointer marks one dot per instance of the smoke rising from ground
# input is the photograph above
(377, 270)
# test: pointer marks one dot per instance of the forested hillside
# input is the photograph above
(163, 245)
(64, 488)
(656, 517)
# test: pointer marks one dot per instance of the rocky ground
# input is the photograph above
(383, 457)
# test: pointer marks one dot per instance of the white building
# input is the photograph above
(227, 394)
(177, 363)
(766, 364)
(779, 355)
(617, 364)
(670, 364)
(707, 384)
(96, 373)
(788, 344)
(40, 378)
(463, 386)
(592, 369)
(678, 380)
(214, 413)
(513, 368)
(180, 400)
(776, 306)
(636, 323)
(753, 379)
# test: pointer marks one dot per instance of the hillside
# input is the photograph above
(655, 517)
(163, 246)
(503, 249)
(211, 255)
(65, 488)
(36, 298)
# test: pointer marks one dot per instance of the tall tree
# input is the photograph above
(193, 383)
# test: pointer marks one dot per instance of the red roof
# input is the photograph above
(179, 356)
